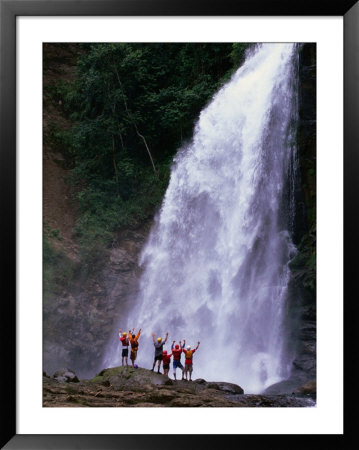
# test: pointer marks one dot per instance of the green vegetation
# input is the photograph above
(51, 232)
(132, 106)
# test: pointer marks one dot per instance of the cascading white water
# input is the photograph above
(215, 267)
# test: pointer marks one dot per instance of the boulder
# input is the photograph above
(284, 387)
(309, 388)
(123, 376)
(66, 376)
(229, 388)
(296, 384)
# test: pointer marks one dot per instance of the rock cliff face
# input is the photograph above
(304, 366)
(79, 323)
(301, 314)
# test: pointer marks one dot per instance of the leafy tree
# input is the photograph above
(133, 105)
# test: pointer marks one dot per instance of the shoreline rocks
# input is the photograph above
(129, 387)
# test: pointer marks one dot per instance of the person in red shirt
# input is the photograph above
(125, 343)
(188, 364)
(166, 359)
(176, 352)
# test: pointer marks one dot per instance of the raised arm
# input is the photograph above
(173, 344)
(197, 345)
(138, 334)
(166, 337)
(184, 343)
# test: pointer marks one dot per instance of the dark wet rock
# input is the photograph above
(309, 348)
(308, 331)
(283, 387)
(297, 383)
(275, 401)
(309, 313)
(305, 364)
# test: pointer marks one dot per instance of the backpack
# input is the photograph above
(189, 354)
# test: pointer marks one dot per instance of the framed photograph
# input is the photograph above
(154, 85)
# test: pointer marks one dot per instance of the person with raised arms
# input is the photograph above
(133, 338)
(188, 364)
(125, 343)
(158, 350)
(176, 352)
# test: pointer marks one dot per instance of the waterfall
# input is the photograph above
(215, 266)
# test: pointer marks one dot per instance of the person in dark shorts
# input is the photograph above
(125, 343)
(166, 359)
(158, 350)
(176, 352)
(188, 364)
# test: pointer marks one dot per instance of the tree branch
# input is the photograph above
(134, 123)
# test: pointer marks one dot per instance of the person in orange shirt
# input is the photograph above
(134, 345)
(188, 364)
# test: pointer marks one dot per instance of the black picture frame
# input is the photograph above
(9, 10)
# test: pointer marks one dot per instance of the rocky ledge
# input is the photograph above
(126, 386)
